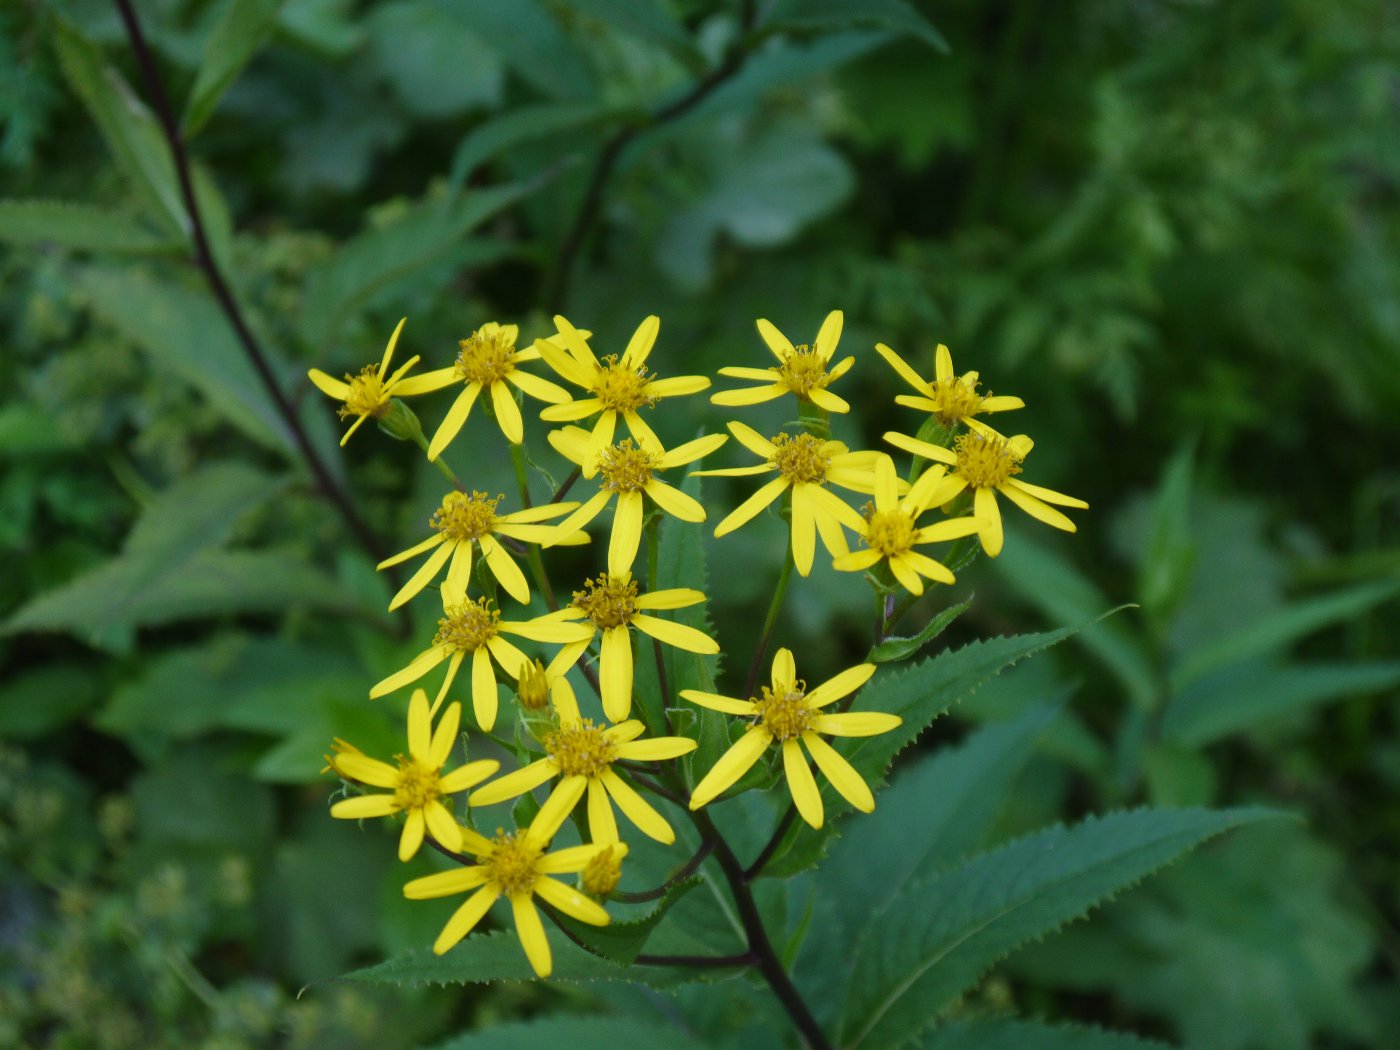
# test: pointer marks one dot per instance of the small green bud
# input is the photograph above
(401, 423)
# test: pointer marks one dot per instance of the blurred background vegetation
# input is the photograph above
(1172, 227)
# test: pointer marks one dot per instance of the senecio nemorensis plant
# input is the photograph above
(632, 777)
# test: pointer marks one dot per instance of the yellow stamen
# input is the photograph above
(464, 517)
(803, 371)
(581, 749)
(417, 786)
(513, 865)
(801, 458)
(985, 462)
(622, 389)
(601, 875)
(367, 396)
(784, 712)
(955, 399)
(626, 468)
(891, 532)
(485, 356)
(609, 601)
(467, 627)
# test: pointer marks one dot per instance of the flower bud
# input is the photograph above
(401, 423)
(600, 877)
(533, 686)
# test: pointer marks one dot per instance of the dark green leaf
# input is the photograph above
(521, 125)
(897, 16)
(1004, 1033)
(622, 942)
(79, 226)
(533, 43)
(240, 31)
(892, 650)
(35, 703)
(1170, 554)
(576, 1033)
(435, 62)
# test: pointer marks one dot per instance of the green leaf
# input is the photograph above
(35, 703)
(892, 650)
(435, 62)
(378, 257)
(1170, 553)
(576, 1033)
(1004, 1033)
(242, 28)
(521, 125)
(1274, 631)
(532, 42)
(1241, 697)
(942, 932)
(895, 15)
(644, 19)
(328, 27)
(200, 510)
(622, 942)
(127, 126)
(79, 226)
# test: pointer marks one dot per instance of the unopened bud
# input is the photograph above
(533, 686)
(600, 877)
(401, 423)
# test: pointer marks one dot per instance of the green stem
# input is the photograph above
(769, 623)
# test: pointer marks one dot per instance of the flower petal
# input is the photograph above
(452, 422)
(784, 671)
(803, 786)
(751, 506)
(827, 400)
(513, 785)
(749, 396)
(530, 930)
(678, 386)
(856, 723)
(581, 517)
(484, 697)
(507, 413)
(468, 776)
(363, 807)
(1045, 495)
(446, 883)
(656, 749)
(689, 452)
(445, 735)
(937, 453)
(637, 809)
(842, 774)
(942, 364)
(540, 389)
(715, 702)
(417, 668)
(732, 765)
(412, 838)
(675, 502)
(829, 335)
(841, 685)
(643, 339)
(425, 574)
(420, 726)
(626, 536)
(778, 343)
(413, 552)
(904, 369)
(984, 504)
(571, 902)
(615, 674)
(646, 437)
(441, 825)
(670, 598)
(804, 527)
(677, 634)
(328, 385)
(602, 825)
(506, 571)
(556, 808)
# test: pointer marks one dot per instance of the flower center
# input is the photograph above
(486, 356)
(367, 396)
(784, 712)
(609, 601)
(417, 786)
(955, 399)
(467, 627)
(801, 458)
(803, 371)
(464, 517)
(514, 864)
(985, 462)
(891, 532)
(626, 468)
(620, 388)
(532, 688)
(580, 749)
(601, 875)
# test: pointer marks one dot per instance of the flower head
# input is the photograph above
(610, 605)
(985, 462)
(788, 712)
(582, 755)
(619, 385)
(802, 370)
(474, 628)
(367, 394)
(805, 465)
(950, 397)
(467, 519)
(417, 784)
(891, 530)
(628, 471)
(518, 866)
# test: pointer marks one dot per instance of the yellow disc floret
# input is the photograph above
(467, 627)
(622, 388)
(417, 785)
(464, 517)
(609, 601)
(803, 370)
(625, 467)
(784, 711)
(486, 356)
(801, 458)
(891, 532)
(601, 875)
(580, 749)
(955, 399)
(367, 395)
(985, 462)
(513, 866)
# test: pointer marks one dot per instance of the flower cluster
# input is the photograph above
(606, 763)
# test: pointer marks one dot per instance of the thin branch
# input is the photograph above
(690, 868)
(563, 489)
(204, 258)
(755, 869)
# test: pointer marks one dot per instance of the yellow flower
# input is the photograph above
(582, 755)
(474, 627)
(611, 604)
(418, 784)
(619, 385)
(786, 713)
(950, 397)
(986, 462)
(487, 360)
(802, 370)
(516, 866)
(891, 530)
(628, 472)
(536, 685)
(463, 520)
(805, 464)
(367, 395)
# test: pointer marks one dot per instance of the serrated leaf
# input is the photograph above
(897, 16)
(376, 258)
(518, 126)
(1004, 1033)
(622, 942)
(242, 28)
(80, 226)
(576, 1033)
(942, 932)
(892, 650)
(1274, 631)
(1247, 695)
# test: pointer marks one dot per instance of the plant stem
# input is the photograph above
(755, 869)
(769, 623)
(563, 489)
(689, 869)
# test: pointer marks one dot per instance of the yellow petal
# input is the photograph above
(732, 765)
(571, 902)
(886, 484)
(805, 793)
(412, 837)
(674, 502)
(464, 918)
(626, 536)
(646, 437)
(371, 771)
(827, 400)
(540, 389)
(566, 411)
(441, 826)
(657, 748)
(857, 561)
(328, 385)
(751, 506)
(556, 808)
(389, 349)
(445, 883)
(904, 573)
(942, 364)
(784, 671)
(531, 932)
(452, 422)
(468, 776)
(427, 382)
(841, 773)
(507, 413)
(677, 386)
(937, 453)
(513, 785)
(778, 343)
(934, 570)
(984, 505)
(1046, 495)
(484, 698)
(637, 809)
(829, 335)
(599, 439)
(715, 702)
(581, 517)
(804, 527)
(413, 552)
(453, 665)
(670, 598)
(506, 571)
(420, 726)
(602, 825)
(615, 677)
(677, 634)
(364, 807)
(856, 723)
(420, 665)
(643, 339)
(425, 574)
(750, 396)
(904, 369)
(841, 685)
(693, 450)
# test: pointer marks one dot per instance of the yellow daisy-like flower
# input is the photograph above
(487, 360)
(418, 783)
(464, 520)
(582, 754)
(475, 627)
(786, 713)
(891, 530)
(367, 395)
(805, 465)
(619, 385)
(611, 604)
(952, 398)
(986, 462)
(802, 370)
(517, 867)
(629, 473)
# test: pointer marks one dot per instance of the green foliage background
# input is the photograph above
(1172, 228)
